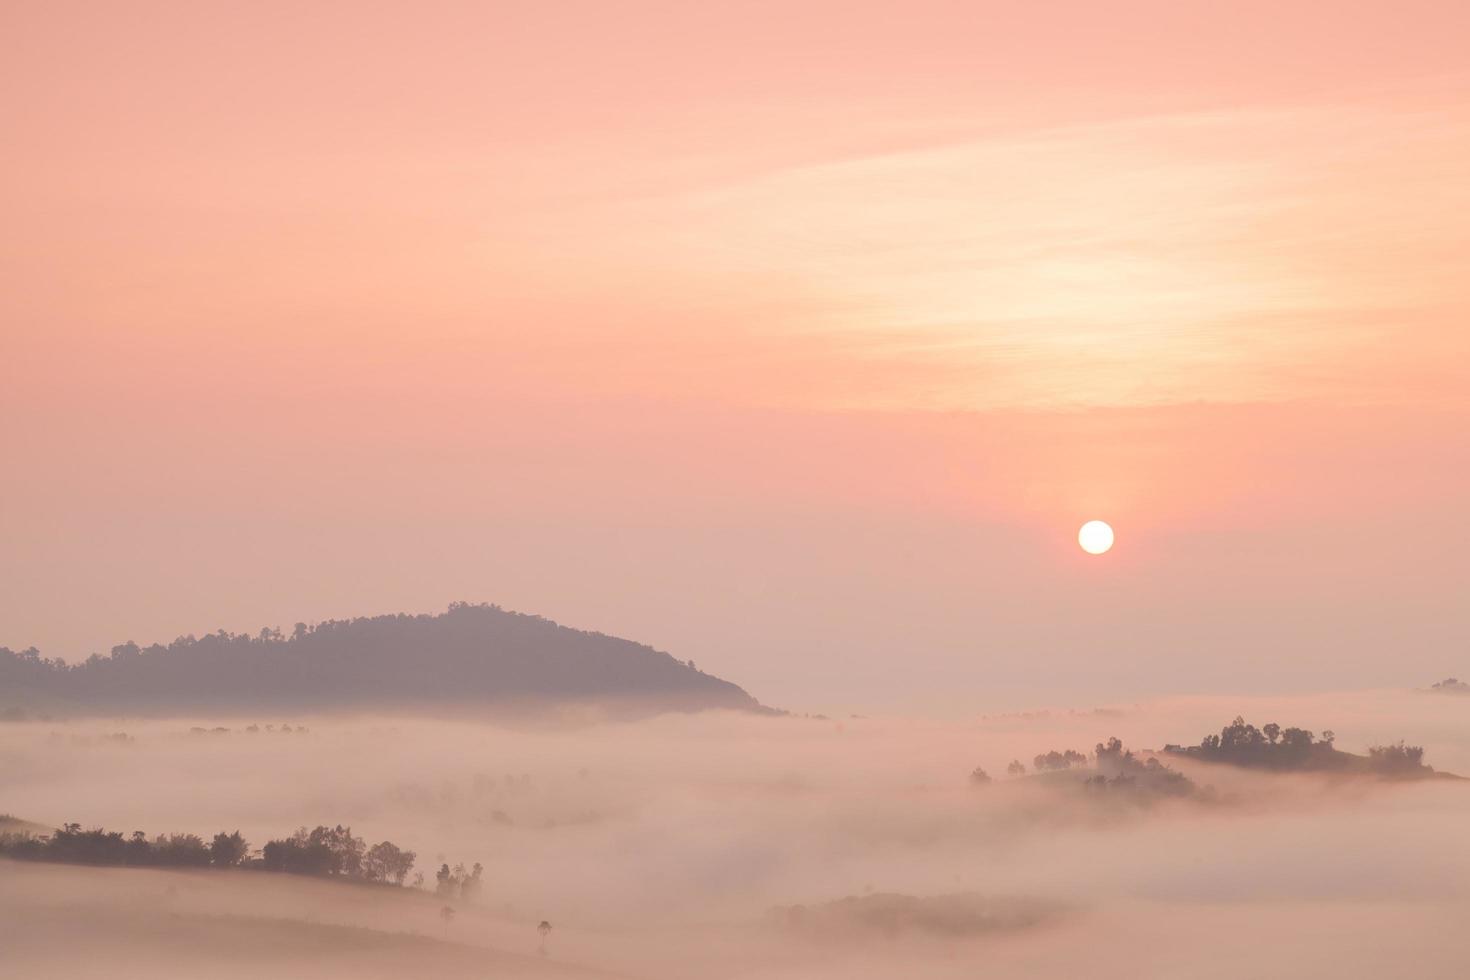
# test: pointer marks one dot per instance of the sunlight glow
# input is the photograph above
(1095, 537)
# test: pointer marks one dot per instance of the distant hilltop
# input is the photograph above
(469, 657)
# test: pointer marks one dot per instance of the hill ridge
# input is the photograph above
(471, 655)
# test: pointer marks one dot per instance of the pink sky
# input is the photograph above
(794, 338)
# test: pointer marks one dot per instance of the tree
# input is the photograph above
(1016, 768)
(181, 850)
(448, 885)
(304, 852)
(1396, 758)
(469, 884)
(979, 777)
(545, 930)
(447, 914)
(139, 851)
(386, 862)
(1297, 739)
(1272, 731)
(1240, 735)
(346, 851)
(1112, 758)
(228, 850)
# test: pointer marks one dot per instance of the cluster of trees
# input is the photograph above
(1058, 760)
(459, 883)
(73, 845)
(1112, 767)
(325, 851)
(1297, 749)
(1118, 770)
(1239, 743)
(1267, 747)
(334, 852)
(1451, 685)
(252, 730)
(1396, 758)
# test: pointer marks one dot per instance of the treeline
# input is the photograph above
(1298, 749)
(1110, 768)
(334, 852)
(1396, 758)
(1053, 760)
(460, 883)
(1119, 770)
(329, 852)
(1267, 747)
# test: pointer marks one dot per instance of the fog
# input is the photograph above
(724, 845)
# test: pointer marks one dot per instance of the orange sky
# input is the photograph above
(796, 338)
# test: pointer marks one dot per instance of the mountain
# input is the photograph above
(470, 657)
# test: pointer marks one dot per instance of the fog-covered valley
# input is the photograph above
(738, 845)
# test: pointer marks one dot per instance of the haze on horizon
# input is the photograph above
(794, 339)
(735, 845)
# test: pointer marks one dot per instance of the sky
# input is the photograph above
(794, 338)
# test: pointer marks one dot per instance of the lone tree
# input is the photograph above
(1016, 768)
(545, 930)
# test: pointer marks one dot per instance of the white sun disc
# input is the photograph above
(1095, 537)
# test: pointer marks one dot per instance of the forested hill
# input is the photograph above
(467, 657)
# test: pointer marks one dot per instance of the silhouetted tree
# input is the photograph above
(1112, 758)
(346, 850)
(1058, 760)
(385, 862)
(228, 850)
(469, 884)
(304, 852)
(139, 851)
(181, 850)
(1396, 759)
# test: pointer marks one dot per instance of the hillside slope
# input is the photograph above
(467, 657)
(143, 924)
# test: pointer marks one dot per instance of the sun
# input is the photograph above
(1095, 537)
